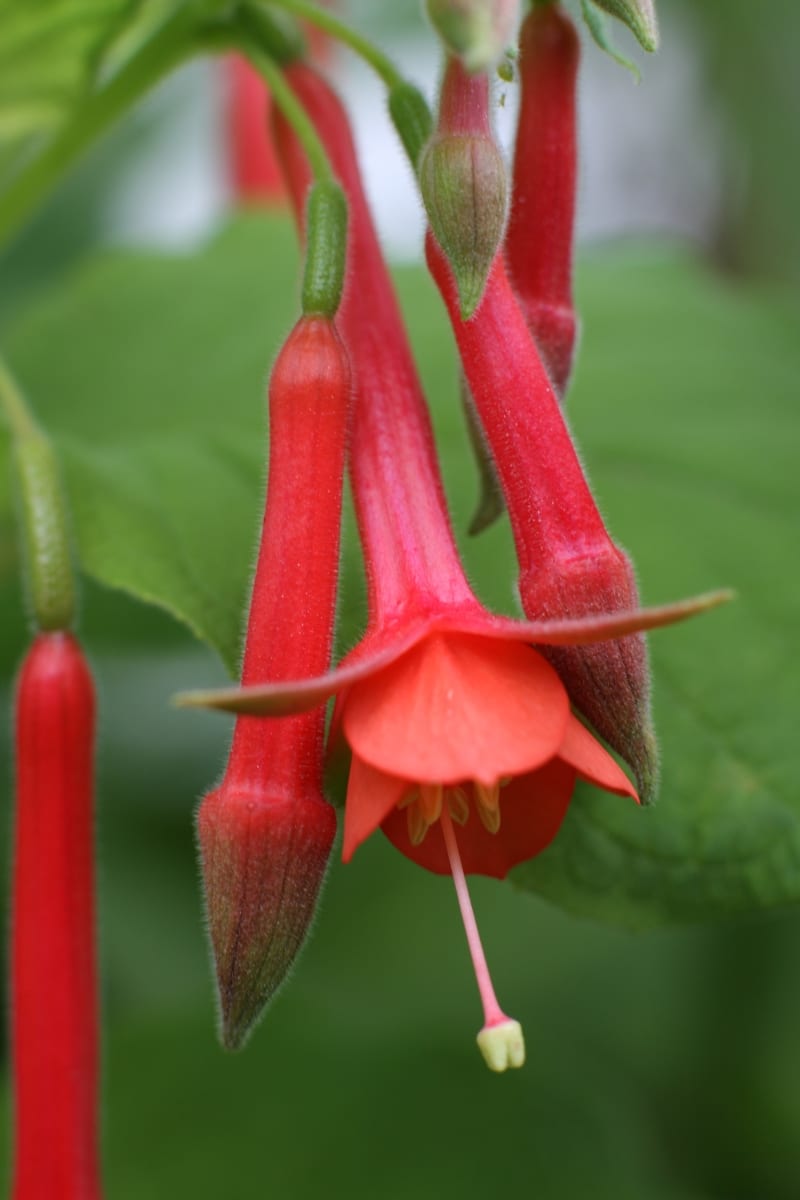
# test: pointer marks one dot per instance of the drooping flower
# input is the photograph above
(442, 703)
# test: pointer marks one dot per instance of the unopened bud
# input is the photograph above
(263, 859)
(477, 31)
(462, 178)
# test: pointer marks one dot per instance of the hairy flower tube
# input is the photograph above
(569, 566)
(452, 719)
(539, 237)
(266, 831)
(54, 1006)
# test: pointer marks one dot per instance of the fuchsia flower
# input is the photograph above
(450, 715)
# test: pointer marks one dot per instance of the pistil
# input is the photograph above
(500, 1040)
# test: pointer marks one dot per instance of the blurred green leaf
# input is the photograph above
(48, 55)
(149, 372)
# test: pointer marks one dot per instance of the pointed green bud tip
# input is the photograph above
(477, 31)
(639, 16)
(462, 178)
(263, 861)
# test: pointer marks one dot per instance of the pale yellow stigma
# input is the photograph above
(502, 1045)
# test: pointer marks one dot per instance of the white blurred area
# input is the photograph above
(652, 153)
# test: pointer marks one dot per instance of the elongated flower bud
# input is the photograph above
(53, 968)
(569, 567)
(539, 238)
(462, 178)
(266, 832)
(477, 31)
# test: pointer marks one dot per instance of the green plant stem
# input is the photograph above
(45, 527)
(171, 44)
(291, 108)
(18, 416)
(340, 30)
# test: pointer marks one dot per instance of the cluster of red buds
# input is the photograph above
(467, 731)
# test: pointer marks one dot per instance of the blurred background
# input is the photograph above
(662, 1064)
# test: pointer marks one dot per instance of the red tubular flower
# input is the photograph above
(569, 567)
(266, 832)
(255, 175)
(539, 236)
(441, 702)
(53, 968)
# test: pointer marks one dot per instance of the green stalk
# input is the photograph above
(45, 531)
(340, 30)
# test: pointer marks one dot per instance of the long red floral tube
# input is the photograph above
(266, 831)
(569, 566)
(54, 1002)
(540, 232)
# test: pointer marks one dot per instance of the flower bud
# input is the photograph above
(53, 962)
(266, 832)
(462, 178)
(477, 31)
(264, 854)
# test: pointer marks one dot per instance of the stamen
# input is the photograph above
(487, 802)
(417, 825)
(500, 1041)
(430, 801)
(458, 805)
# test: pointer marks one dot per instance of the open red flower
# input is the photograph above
(450, 713)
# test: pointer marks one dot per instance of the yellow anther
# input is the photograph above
(487, 802)
(417, 825)
(430, 801)
(458, 805)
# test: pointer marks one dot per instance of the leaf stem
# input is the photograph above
(170, 44)
(363, 47)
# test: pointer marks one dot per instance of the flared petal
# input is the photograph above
(592, 761)
(371, 795)
(458, 707)
(603, 627)
(532, 808)
(283, 698)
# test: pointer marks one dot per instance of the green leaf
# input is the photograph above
(48, 54)
(149, 373)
